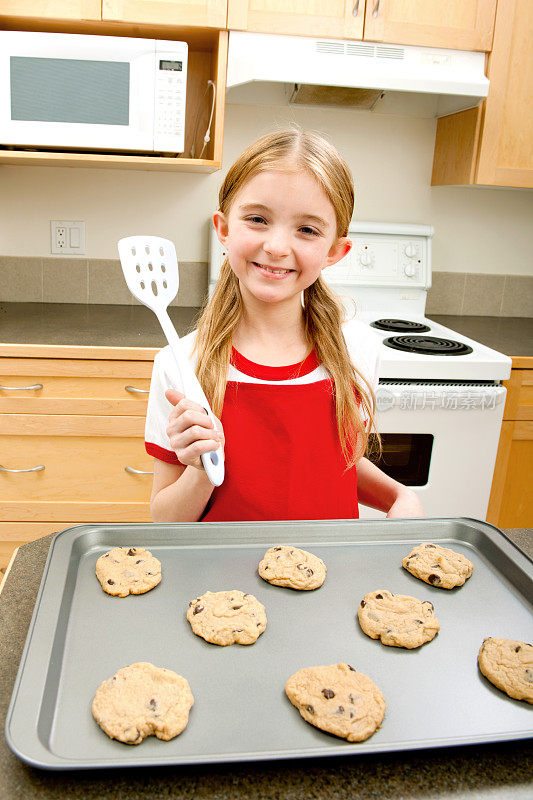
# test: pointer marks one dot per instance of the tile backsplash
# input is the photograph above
(100, 281)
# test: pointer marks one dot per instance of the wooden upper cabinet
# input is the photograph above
(492, 145)
(52, 9)
(339, 19)
(455, 24)
(506, 144)
(197, 13)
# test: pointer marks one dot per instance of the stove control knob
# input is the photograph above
(366, 259)
(411, 250)
(409, 270)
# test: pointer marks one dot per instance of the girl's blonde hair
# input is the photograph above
(323, 309)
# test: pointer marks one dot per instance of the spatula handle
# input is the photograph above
(213, 461)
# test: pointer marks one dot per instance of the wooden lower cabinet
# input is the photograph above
(71, 443)
(511, 499)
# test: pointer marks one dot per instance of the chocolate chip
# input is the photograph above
(309, 572)
(299, 566)
(132, 551)
(246, 595)
(292, 552)
(362, 604)
(197, 609)
(413, 555)
(266, 567)
(340, 710)
(436, 566)
(328, 693)
(110, 582)
(310, 709)
(106, 555)
(152, 704)
(407, 563)
(237, 630)
(351, 698)
(433, 578)
(235, 608)
(420, 621)
(431, 545)
(517, 649)
(140, 561)
(350, 667)
(258, 624)
(379, 597)
(277, 548)
(429, 603)
(351, 714)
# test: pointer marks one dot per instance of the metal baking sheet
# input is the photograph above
(435, 694)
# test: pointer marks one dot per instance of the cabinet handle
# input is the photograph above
(134, 471)
(375, 12)
(31, 469)
(21, 388)
(355, 11)
(136, 391)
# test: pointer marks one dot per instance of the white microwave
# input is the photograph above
(73, 91)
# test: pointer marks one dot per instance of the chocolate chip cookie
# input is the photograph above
(438, 566)
(142, 700)
(337, 699)
(128, 570)
(508, 664)
(230, 617)
(289, 566)
(397, 619)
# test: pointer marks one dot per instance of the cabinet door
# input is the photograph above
(334, 18)
(511, 500)
(506, 152)
(204, 13)
(52, 9)
(456, 24)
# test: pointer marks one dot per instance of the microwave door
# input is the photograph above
(94, 100)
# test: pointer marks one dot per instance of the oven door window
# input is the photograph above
(405, 457)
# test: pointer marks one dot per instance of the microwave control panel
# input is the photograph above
(170, 95)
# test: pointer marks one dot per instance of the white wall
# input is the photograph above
(476, 229)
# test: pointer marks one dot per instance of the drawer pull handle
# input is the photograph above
(375, 12)
(355, 11)
(21, 388)
(134, 471)
(136, 391)
(31, 469)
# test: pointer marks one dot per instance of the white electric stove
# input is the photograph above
(439, 401)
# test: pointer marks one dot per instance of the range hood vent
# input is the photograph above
(451, 80)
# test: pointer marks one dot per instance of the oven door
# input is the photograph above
(440, 439)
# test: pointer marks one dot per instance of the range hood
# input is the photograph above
(266, 68)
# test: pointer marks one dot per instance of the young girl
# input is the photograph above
(290, 383)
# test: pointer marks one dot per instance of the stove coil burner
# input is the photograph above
(400, 326)
(428, 345)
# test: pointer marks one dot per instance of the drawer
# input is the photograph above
(519, 405)
(56, 386)
(74, 467)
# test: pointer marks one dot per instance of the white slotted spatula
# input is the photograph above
(150, 267)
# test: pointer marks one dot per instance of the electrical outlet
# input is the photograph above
(67, 237)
